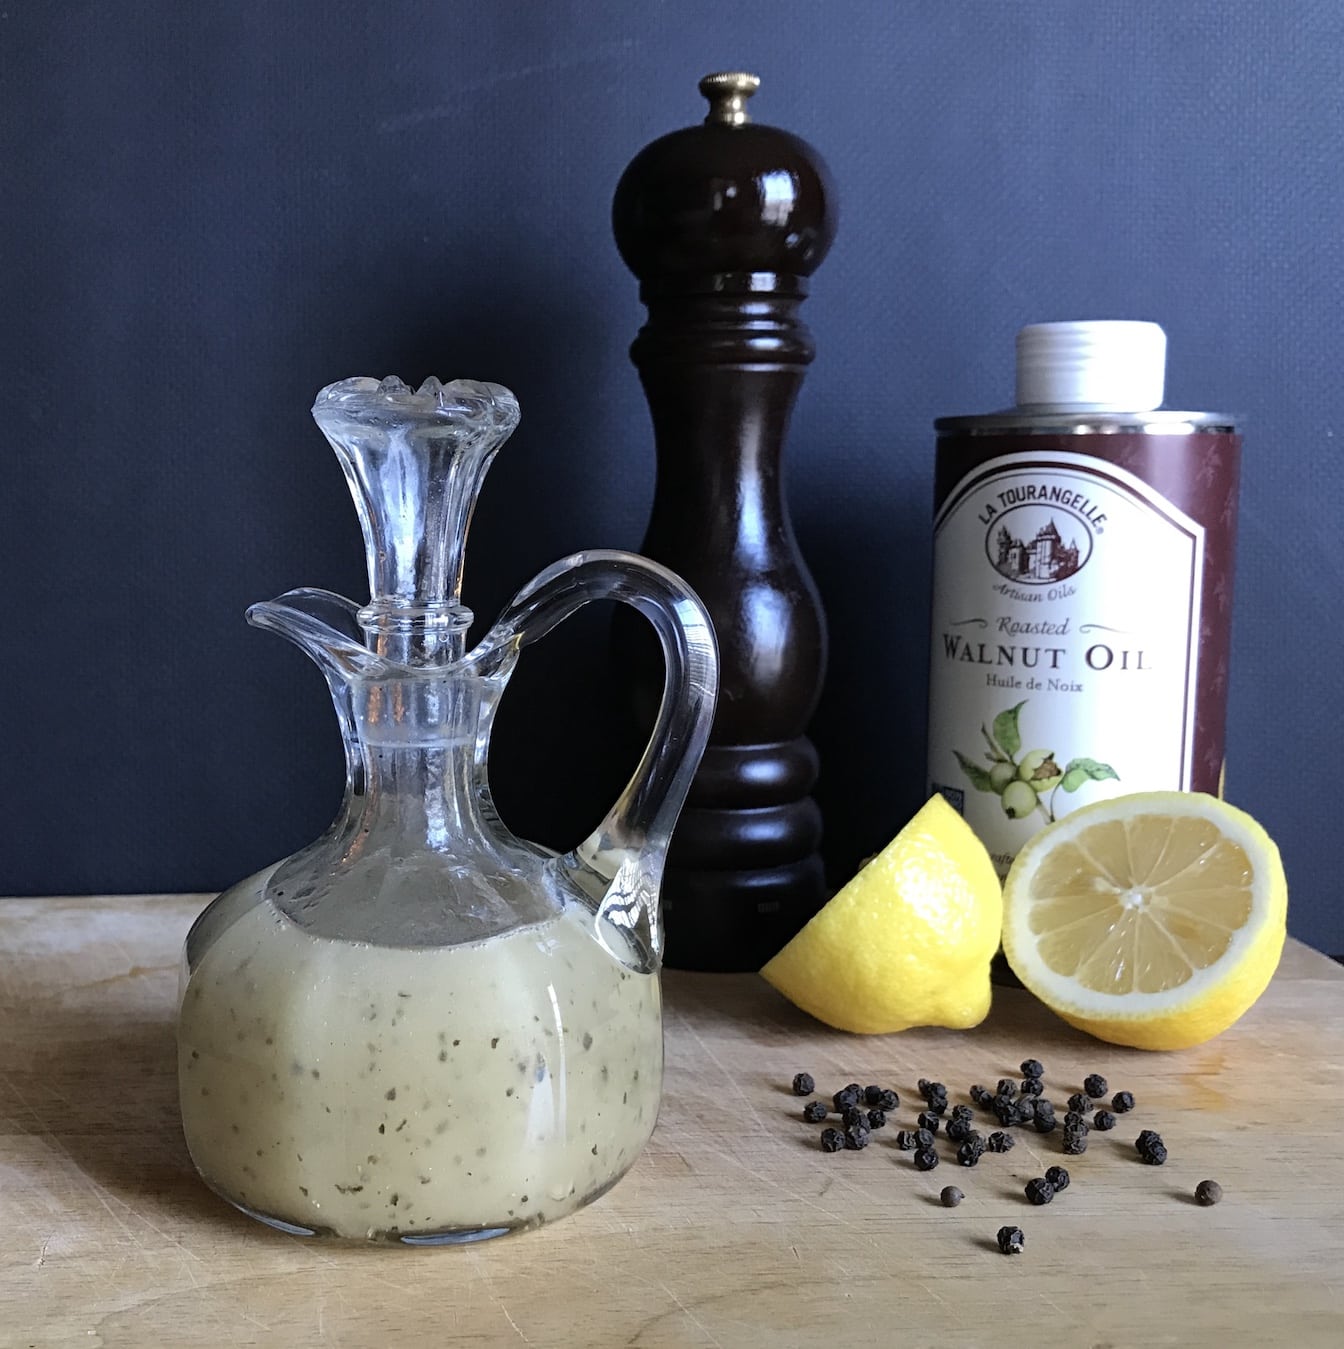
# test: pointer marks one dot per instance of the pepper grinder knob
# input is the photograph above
(728, 91)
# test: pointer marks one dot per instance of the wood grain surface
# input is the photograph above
(732, 1229)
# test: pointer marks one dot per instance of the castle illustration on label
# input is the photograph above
(1046, 557)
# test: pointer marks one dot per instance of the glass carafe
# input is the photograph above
(422, 1028)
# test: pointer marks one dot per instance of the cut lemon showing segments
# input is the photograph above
(1153, 920)
(908, 941)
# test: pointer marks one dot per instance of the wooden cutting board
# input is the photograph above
(732, 1229)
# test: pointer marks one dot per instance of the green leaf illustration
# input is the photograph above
(1080, 771)
(1005, 729)
(979, 778)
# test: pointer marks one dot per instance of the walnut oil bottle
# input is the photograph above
(1082, 587)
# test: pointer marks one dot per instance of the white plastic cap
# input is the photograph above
(1108, 364)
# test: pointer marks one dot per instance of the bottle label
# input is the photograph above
(1066, 626)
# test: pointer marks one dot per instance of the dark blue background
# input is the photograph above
(210, 211)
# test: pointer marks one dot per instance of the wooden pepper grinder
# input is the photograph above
(722, 224)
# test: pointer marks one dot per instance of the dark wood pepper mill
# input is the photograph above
(722, 224)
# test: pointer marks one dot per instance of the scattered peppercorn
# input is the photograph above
(1011, 1240)
(1080, 1103)
(814, 1112)
(932, 1089)
(926, 1159)
(1151, 1148)
(1103, 1120)
(1075, 1141)
(958, 1129)
(847, 1096)
(856, 1137)
(1024, 1110)
(1004, 1110)
(1040, 1191)
(922, 1086)
(1122, 1101)
(1031, 1086)
(1000, 1142)
(928, 1120)
(803, 1085)
(980, 1095)
(852, 1115)
(1058, 1177)
(923, 1138)
(951, 1196)
(1156, 1155)
(1045, 1116)
(1073, 1120)
(970, 1152)
(1207, 1192)
(1032, 1068)
(877, 1119)
(1096, 1086)
(832, 1140)
(1007, 1087)
(871, 1094)
(962, 1112)
(905, 1140)
(887, 1099)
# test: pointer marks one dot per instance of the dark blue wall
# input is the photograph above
(210, 211)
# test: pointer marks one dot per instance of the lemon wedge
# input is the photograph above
(1153, 920)
(908, 941)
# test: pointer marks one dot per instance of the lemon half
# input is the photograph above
(1153, 920)
(908, 941)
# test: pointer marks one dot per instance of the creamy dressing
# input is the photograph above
(452, 1092)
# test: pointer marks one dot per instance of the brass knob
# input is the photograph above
(728, 91)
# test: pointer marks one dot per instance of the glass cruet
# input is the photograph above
(421, 1028)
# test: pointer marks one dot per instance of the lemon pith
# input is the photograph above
(908, 941)
(1154, 920)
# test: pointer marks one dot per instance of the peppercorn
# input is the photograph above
(926, 1159)
(1095, 1085)
(970, 1152)
(1058, 1177)
(846, 1097)
(1045, 1116)
(1122, 1101)
(814, 1112)
(1005, 1110)
(932, 1089)
(1024, 1110)
(1031, 1086)
(1151, 1148)
(951, 1196)
(887, 1099)
(1103, 1120)
(1032, 1068)
(905, 1140)
(1007, 1087)
(1208, 1192)
(1011, 1240)
(1075, 1142)
(877, 1119)
(1000, 1141)
(980, 1095)
(856, 1137)
(803, 1085)
(832, 1140)
(1073, 1120)
(923, 1086)
(1040, 1191)
(852, 1115)
(962, 1112)
(923, 1138)
(1080, 1104)
(871, 1094)
(958, 1129)
(928, 1120)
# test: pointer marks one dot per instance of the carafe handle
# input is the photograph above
(620, 864)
